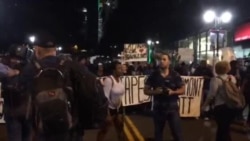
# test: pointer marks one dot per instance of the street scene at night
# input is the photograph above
(124, 70)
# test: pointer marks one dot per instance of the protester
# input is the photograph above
(165, 85)
(15, 102)
(236, 72)
(100, 70)
(124, 69)
(114, 90)
(207, 73)
(47, 61)
(246, 91)
(224, 115)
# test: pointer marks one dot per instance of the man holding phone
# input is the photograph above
(165, 85)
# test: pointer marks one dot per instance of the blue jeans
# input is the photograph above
(173, 118)
(18, 129)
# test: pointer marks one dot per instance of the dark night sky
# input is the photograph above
(133, 21)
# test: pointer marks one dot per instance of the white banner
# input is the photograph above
(134, 53)
(134, 94)
(190, 102)
(186, 54)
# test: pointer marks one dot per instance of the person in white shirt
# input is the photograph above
(114, 90)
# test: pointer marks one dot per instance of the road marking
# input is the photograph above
(127, 133)
(134, 129)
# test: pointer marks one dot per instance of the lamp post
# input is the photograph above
(211, 17)
(150, 50)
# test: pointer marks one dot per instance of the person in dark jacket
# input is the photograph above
(165, 85)
(45, 52)
(15, 102)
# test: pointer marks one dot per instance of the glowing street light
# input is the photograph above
(157, 42)
(84, 10)
(75, 47)
(149, 42)
(226, 17)
(209, 16)
(32, 39)
(108, 3)
(59, 48)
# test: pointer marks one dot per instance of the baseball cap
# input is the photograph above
(45, 39)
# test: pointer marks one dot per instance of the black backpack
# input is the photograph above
(52, 100)
(93, 111)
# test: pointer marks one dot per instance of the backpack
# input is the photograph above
(94, 110)
(234, 98)
(52, 100)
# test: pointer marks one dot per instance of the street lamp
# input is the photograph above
(32, 39)
(150, 51)
(157, 42)
(59, 48)
(226, 17)
(149, 42)
(84, 10)
(210, 16)
(108, 3)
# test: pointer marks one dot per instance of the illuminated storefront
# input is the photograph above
(204, 45)
(242, 41)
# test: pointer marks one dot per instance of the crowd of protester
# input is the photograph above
(75, 87)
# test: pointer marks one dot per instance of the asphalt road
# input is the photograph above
(140, 128)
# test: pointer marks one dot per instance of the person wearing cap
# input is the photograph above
(45, 53)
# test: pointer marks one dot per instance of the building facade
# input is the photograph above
(204, 44)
